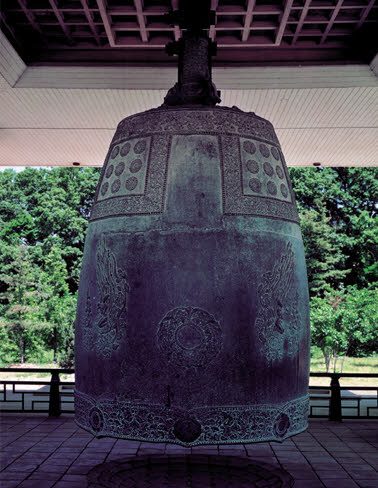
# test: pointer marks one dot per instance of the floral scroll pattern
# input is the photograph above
(189, 337)
(218, 424)
(278, 322)
(104, 330)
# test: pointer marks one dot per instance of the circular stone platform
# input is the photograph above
(189, 471)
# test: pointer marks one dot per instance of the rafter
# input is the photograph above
(283, 22)
(89, 17)
(214, 6)
(106, 21)
(248, 20)
(31, 18)
(9, 28)
(365, 13)
(331, 20)
(59, 16)
(141, 20)
(175, 6)
(301, 20)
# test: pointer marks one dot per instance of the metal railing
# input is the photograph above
(60, 395)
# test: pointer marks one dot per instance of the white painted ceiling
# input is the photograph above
(45, 126)
(59, 115)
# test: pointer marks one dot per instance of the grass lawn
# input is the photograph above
(33, 376)
(350, 365)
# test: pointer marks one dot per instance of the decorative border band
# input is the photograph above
(221, 120)
(202, 425)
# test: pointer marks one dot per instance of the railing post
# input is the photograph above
(54, 401)
(335, 400)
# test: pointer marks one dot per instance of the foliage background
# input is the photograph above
(43, 221)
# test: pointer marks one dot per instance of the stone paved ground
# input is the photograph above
(43, 452)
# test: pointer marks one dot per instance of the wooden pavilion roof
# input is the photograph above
(248, 32)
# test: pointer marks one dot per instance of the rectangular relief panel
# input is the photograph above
(133, 180)
(255, 179)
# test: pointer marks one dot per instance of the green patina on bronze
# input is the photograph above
(192, 322)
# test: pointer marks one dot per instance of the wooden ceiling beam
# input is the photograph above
(10, 29)
(365, 13)
(331, 20)
(259, 10)
(141, 20)
(73, 23)
(130, 27)
(31, 18)
(89, 17)
(302, 18)
(248, 19)
(127, 10)
(177, 31)
(283, 22)
(102, 6)
(59, 16)
(212, 30)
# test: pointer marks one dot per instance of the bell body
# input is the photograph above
(193, 321)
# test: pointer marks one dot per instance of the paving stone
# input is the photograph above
(71, 484)
(129, 444)
(172, 448)
(337, 483)
(302, 474)
(332, 473)
(234, 452)
(62, 447)
(268, 459)
(346, 455)
(52, 468)
(74, 477)
(80, 469)
(258, 450)
(19, 466)
(118, 456)
(9, 484)
(42, 475)
(308, 484)
(13, 475)
(62, 460)
(360, 475)
(325, 466)
(149, 450)
(124, 452)
(36, 484)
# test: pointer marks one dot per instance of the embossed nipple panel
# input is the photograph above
(192, 321)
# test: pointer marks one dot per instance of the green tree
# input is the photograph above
(58, 306)
(327, 331)
(345, 323)
(21, 278)
(323, 257)
(48, 208)
(349, 199)
(360, 319)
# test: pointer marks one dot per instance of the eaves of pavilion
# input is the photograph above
(70, 70)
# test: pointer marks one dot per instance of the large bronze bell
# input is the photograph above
(192, 321)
